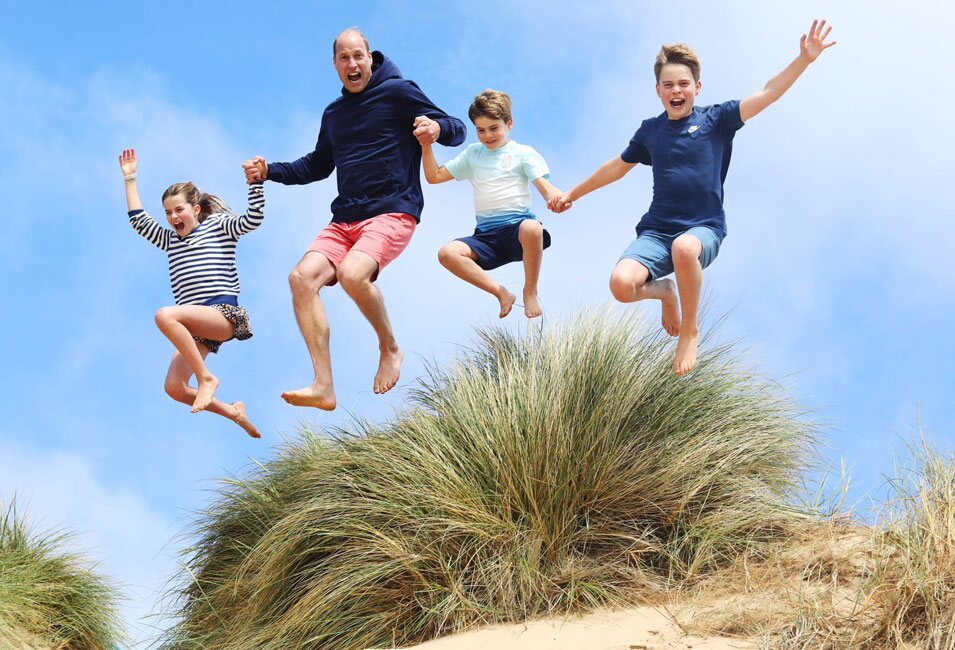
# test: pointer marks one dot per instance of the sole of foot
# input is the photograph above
(311, 397)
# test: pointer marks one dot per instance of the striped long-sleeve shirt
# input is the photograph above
(202, 264)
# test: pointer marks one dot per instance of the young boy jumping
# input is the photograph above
(500, 171)
(689, 148)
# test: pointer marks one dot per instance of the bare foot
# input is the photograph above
(532, 308)
(671, 307)
(389, 368)
(507, 300)
(243, 421)
(317, 396)
(685, 360)
(207, 390)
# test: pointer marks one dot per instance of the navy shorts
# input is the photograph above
(498, 246)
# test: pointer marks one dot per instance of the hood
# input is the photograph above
(382, 69)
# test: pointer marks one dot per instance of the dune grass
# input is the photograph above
(551, 472)
(906, 595)
(841, 583)
(50, 597)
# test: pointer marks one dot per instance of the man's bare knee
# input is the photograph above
(302, 282)
(352, 279)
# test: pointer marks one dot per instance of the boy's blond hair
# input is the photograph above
(679, 53)
(490, 103)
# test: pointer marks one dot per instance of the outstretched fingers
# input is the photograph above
(822, 33)
(127, 161)
(813, 43)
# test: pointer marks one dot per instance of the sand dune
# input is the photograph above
(642, 628)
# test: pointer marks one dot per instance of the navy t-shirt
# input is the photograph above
(690, 157)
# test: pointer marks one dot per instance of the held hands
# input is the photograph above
(256, 169)
(426, 130)
(811, 46)
(559, 203)
(127, 162)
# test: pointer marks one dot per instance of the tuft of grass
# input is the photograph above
(913, 585)
(51, 597)
(845, 585)
(544, 473)
(907, 599)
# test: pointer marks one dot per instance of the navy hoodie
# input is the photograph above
(367, 137)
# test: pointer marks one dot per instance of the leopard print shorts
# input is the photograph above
(239, 317)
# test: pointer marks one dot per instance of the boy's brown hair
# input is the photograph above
(490, 103)
(680, 53)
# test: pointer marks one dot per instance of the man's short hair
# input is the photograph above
(679, 53)
(350, 29)
(490, 103)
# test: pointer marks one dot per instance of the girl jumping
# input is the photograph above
(205, 283)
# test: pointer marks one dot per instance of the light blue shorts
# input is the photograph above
(652, 249)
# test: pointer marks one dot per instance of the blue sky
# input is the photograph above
(835, 273)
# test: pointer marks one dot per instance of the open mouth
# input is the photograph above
(179, 226)
(354, 77)
(677, 102)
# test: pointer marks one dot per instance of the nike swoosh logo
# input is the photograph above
(692, 128)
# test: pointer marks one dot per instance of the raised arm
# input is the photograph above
(139, 219)
(432, 172)
(127, 162)
(810, 47)
(609, 172)
(237, 225)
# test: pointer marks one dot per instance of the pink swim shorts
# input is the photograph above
(382, 238)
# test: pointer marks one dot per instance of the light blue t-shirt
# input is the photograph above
(501, 180)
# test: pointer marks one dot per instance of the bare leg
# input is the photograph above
(686, 251)
(355, 275)
(458, 258)
(179, 324)
(313, 272)
(531, 236)
(630, 282)
(178, 388)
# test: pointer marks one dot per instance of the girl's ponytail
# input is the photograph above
(211, 204)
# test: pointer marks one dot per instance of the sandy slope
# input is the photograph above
(643, 628)
(829, 563)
